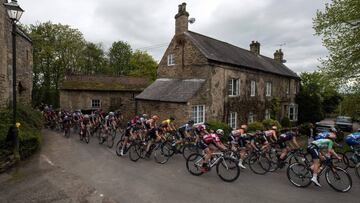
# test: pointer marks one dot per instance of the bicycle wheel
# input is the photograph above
(134, 152)
(167, 149)
(299, 175)
(338, 179)
(228, 169)
(343, 163)
(273, 161)
(349, 155)
(87, 136)
(357, 170)
(259, 164)
(189, 149)
(194, 164)
(110, 139)
(161, 154)
(119, 146)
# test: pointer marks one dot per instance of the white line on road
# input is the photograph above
(47, 159)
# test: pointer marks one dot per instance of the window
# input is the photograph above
(95, 103)
(198, 114)
(251, 117)
(171, 60)
(293, 112)
(267, 114)
(234, 87)
(232, 120)
(268, 89)
(253, 88)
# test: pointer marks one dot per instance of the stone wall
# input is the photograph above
(4, 84)
(189, 61)
(110, 100)
(180, 111)
(24, 63)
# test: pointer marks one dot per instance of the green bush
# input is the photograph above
(285, 122)
(268, 123)
(29, 131)
(255, 126)
(214, 125)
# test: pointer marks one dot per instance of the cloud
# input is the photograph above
(150, 24)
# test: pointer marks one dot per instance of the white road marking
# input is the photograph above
(47, 159)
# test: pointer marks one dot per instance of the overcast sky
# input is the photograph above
(150, 24)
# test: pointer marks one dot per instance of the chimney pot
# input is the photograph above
(255, 47)
(279, 56)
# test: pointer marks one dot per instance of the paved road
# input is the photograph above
(147, 181)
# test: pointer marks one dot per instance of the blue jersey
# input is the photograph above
(287, 136)
(355, 135)
(322, 135)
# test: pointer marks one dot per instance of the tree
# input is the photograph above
(339, 25)
(56, 51)
(119, 56)
(142, 64)
(93, 59)
(318, 96)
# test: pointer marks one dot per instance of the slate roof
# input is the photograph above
(104, 83)
(171, 90)
(223, 52)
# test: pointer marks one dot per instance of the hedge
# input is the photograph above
(29, 131)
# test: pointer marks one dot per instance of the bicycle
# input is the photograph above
(108, 136)
(258, 162)
(300, 174)
(85, 136)
(294, 155)
(225, 165)
(353, 155)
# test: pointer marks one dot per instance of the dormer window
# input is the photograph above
(171, 60)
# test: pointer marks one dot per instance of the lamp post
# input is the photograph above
(14, 11)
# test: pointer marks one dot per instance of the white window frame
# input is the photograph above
(251, 117)
(94, 101)
(171, 60)
(232, 120)
(234, 87)
(293, 112)
(252, 88)
(197, 115)
(267, 114)
(268, 89)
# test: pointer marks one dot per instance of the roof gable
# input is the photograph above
(223, 52)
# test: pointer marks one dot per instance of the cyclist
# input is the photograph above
(152, 132)
(110, 121)
(258, 139)
(213, 142)
(325, 134)
(83, 124)
(130, 133)
(168, 125)
(239, 138)
(314, 149)
(289, 136)
(271, 134)
(184, 132)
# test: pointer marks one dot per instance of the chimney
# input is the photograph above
(255, 47)
(181, 20)
(279, 56)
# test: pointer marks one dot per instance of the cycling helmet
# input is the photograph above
(172, 118)
(333, 130)
(145, 115)
(191, 122)
(86, 116)
(220, 132)
(274, 127)
(111, 114)
(201, 127)
(155, 117)
(243, 126)
(138, 122)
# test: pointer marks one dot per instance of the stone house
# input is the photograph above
(206, 79)
(24, 62)
(90, 92)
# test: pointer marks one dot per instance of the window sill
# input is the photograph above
(234, 95)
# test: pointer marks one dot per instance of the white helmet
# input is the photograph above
(220, 132)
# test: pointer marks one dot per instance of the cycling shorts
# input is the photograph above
(314, 151)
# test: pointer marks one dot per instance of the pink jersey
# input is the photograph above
(212, 137)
